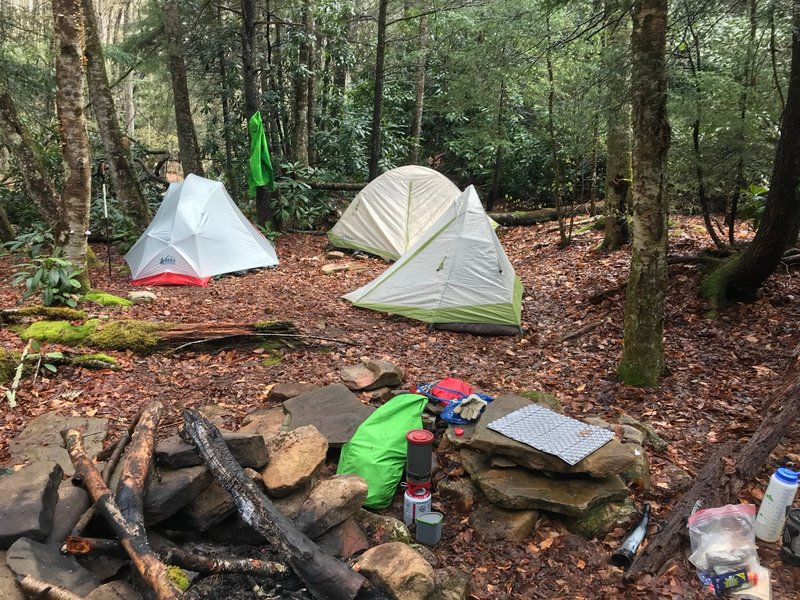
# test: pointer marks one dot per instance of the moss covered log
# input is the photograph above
(28, 313)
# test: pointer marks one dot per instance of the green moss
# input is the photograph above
(97, 357)
(542, 399)
(139, 336)
(271, 359)
(61, 332)
(106, 299)
(273, 326)
(600, 520)
(632, 376)
(8, 364)
(178, 577)
(271, 344)
(91, 258)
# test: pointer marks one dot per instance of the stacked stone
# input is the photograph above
(590, 497)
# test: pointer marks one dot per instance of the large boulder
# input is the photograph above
(295, 457)
(399, 569)
(28, 501)
(41, 439)
(371, 375)
(610, 459)
(334, 410)
(331, 501)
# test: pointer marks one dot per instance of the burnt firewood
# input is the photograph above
(325, 576)
(144, 560)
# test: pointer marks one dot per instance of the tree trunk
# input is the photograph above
(619, 173)
(419, 90)
(498, 151)
(126, 186)
(643, 352)
(187, 138)
(29, 158)
(7, 232)
(326, 577)
(75, 151)
(377, 102)
(551, 128)
(741, 277)
(313, 69)
(232, 180)
(300, 105)
(252, 96)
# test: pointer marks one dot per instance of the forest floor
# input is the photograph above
(722, 371)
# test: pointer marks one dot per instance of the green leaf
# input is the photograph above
(47, 296)
(49, 367)
(55, 355)
(35, 345)
(54, 274)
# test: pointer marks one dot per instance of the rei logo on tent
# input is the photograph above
(167, 260)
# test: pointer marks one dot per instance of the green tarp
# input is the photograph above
(377, 450)
(260, 163)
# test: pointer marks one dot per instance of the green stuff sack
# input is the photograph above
(377, 450)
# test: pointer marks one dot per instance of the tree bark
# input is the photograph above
(313, 69)
(721, 479)
(126, 186)
(741, 277)
(29, 158)
(75, 151)
(7, 232)
(419, 90)
(551, 129)
(498, 151)
(377, 101)
(187, 137)
(300, 105)
(326, 577)
(137, 547)
(643, 352)
(619, 172)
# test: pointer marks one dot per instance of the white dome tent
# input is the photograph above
(392, 212)
(197, 233)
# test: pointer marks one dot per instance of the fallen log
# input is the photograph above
(721, 479)
(541, 215)
(41, 590)
(326, 577)
(586, 328)
(173, 554)
(144, 560)
(336, 186)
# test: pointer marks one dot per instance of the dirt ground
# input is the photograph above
(722, 371)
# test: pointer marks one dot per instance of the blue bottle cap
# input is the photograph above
(787, 475)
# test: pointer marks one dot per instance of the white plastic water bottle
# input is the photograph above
(772, 514)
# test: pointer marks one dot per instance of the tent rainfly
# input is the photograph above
(388, 216)
(456, 276)
(198, 232)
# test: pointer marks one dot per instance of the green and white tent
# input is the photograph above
(388, 216)
(456, 276)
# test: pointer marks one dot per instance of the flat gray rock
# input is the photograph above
(72, 503)
(281, 392)
(115, 590)
(41, 439)
(46, 563)
(493, 524)
(264, 421)
(9, 590)
(334, 410)
(210, 507)
(248, 449)
(174, 490)
(610, 459)
(28, 501)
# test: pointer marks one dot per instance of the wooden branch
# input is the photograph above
(586, 328)
(41, 589)
(720, 480)
(136, 468)
(260, 335)
(326, 577)
(334, 186)
(152, 570)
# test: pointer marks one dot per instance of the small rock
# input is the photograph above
(281, 392)
(115, 590)
(501, 462)
(172, 491)
(249, 450)
(26, 557)
(9, 590)
(451, 584)
(334, 254)
(141, 297)
(372, 375)
(28, 500)
(652, 438)
(216, 414)
(492, 523)
(638, 474)
(632, 435)
(459, 441)
(598, 422)
(331, 501)
(295, 457)
(459, 493)
(381, 529)
(399, 569)
(264, 422)
(676, 479)
(425, 553)
(329, 269)
(72, 503)
(210, 507)
(381, 395)
(344, 540)
(600, 520)
(289, 506)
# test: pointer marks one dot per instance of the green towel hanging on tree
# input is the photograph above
(260, 163)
